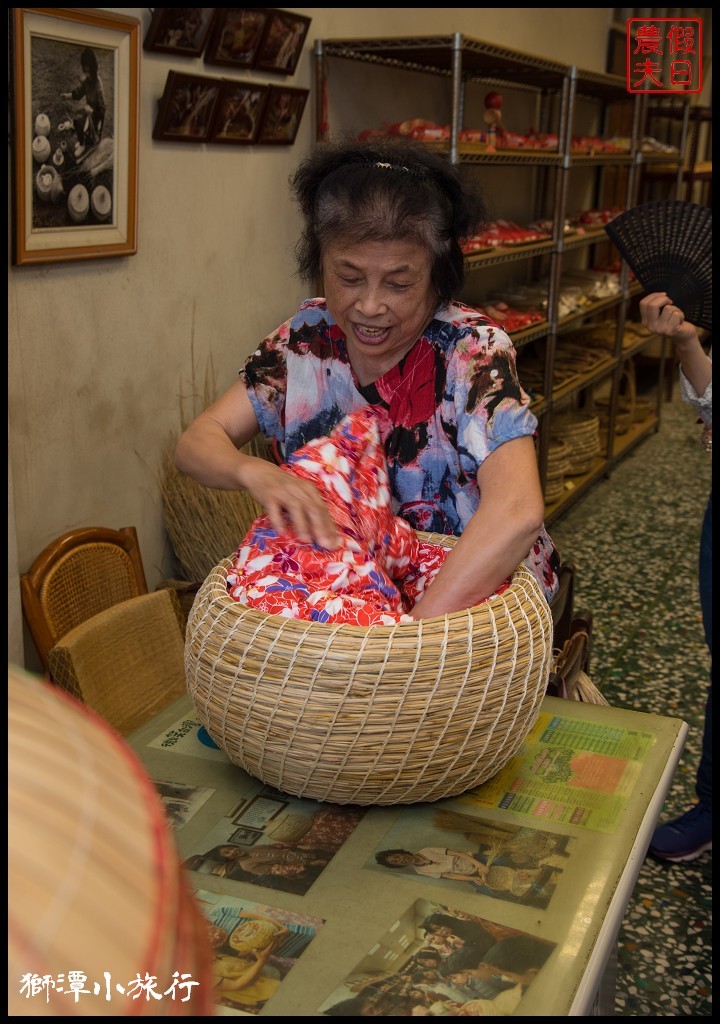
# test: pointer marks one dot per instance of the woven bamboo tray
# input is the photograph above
(384, 715)
(582, 432)
(95, 878)
(643, 409)
(625, 405)
(624, 414)
(554, 489)
(557, 467)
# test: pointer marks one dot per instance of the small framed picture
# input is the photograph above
(75, 93)
(179, 30)
(260, 811)
(245, 836)
(236, 36)
(239, 113)
(283, 42)
(283, 114)
(187, 108)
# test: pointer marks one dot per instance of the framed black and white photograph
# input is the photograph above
(74, 119)
(179, 30)
(187, 109)
(245, 836)
(259, 812)
(239, 114)
(283, 114)
(237, 33)
(283, 42)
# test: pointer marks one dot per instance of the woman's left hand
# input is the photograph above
(661, 316)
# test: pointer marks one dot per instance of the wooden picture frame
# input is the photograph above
(237, 33)
(75, 75)
(186, 111)
(239, 113)
(283, 114)
(181, 31)
(283, 42)
(259, 812)
(245, 836)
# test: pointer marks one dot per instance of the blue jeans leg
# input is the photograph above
(704, 775)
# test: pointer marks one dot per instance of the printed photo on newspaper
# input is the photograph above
(509, 862)
(254, 947)
(435, 962)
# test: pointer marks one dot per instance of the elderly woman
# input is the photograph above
(384, 223)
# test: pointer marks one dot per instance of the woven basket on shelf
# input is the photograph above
(624, 413)
(582, 432)
(381, 715)
(554, 489)
(643, 409)
(557, 467)
(625, 404)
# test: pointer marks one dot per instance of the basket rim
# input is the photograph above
(521, 577)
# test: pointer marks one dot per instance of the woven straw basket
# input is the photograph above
(94, 877)
(582, 433)
(382, 715)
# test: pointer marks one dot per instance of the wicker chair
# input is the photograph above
(126, 662)
(79, 574)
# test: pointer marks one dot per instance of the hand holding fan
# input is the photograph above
(668, 246)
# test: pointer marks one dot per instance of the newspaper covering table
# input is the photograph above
(546, 853)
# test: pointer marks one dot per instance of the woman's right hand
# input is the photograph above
(210, 451)
(664, 318)
(292, 503)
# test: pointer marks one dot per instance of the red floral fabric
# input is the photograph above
(381, 567)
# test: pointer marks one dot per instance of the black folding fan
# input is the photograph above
(668, 246)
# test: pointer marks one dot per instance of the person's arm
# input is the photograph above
(209, 451)
(469, 856)
(499, 535)
(457, 877)
(661, 316)
(241, 981)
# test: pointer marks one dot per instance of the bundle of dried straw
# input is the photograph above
(204, 525)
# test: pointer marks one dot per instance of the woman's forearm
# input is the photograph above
(497, 538)
(695, 363)
(206, 453)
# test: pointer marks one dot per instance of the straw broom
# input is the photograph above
(205, 525)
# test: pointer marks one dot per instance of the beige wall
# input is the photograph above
(102, 352)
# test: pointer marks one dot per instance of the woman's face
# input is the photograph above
(229, 852)
(380, 295)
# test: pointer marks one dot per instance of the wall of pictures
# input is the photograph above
(202, 108)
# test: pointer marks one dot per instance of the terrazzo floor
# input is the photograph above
(634, 540)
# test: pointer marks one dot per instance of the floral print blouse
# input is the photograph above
(449, 402)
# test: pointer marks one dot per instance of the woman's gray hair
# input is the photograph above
(381, 191)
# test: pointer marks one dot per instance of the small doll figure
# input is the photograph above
(492, 118)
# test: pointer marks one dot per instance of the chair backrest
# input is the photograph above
(126, 662)
(79, 574)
